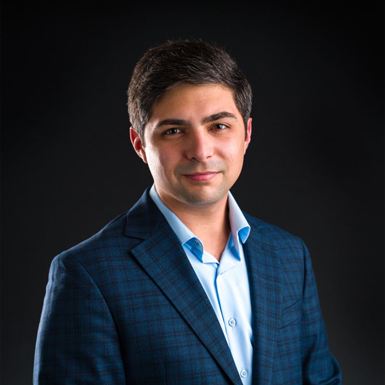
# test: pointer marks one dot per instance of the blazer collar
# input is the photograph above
(143, 218)
(165, 261)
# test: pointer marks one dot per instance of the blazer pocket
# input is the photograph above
(291, 314)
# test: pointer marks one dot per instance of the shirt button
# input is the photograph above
(243, 373)
(232, 322)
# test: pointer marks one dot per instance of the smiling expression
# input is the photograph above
(194, 144)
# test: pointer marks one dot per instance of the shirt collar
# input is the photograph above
(240, 228)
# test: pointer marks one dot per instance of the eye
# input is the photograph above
(220, 127)
(172, 131)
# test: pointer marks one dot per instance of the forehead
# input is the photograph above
(189, 101)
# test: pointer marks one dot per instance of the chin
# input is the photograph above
(202, 199)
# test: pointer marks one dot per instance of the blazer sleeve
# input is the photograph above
(319, 365)
(77, 339)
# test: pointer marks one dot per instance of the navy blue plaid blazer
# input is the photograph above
(126, 307)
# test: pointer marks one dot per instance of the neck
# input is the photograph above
(210, 223)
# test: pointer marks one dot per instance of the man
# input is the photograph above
(184, 288)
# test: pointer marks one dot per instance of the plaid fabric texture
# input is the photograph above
(125, 307)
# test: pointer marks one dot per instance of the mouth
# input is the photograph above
(201, 176)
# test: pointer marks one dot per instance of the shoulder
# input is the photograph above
(273, 236)
(279, 247)
(108, 243)
(113, 243)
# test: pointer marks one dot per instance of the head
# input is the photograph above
(183, 61)
(189, 106)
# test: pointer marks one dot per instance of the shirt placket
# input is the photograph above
(232, 319)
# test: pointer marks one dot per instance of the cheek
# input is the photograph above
(234, 154)
(161, 163)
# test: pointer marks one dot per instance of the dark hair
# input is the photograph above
(183, 61)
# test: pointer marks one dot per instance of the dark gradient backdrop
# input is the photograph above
(314, 168)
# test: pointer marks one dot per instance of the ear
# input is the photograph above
(248, 134)
(138, 144)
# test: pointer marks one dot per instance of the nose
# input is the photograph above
(199, 146)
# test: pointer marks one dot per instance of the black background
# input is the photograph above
(314, 167)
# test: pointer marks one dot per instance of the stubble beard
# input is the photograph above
(198, 197)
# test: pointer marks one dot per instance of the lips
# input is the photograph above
(201, 176)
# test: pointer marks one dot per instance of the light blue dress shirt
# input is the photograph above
(226, 283)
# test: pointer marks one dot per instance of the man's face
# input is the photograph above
(195, 143)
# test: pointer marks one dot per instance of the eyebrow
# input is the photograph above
(207, 119)
(219, 115)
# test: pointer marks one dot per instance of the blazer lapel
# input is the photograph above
(263, 267)
(163, 258)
